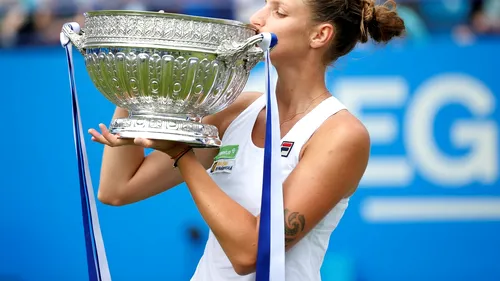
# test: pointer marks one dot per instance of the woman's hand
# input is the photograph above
(169, 147)
(108, 138)
(105, 137)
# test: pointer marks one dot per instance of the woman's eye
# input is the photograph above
(278, 13)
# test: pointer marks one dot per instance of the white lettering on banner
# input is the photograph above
(382, 93)
(480, 135)
(375, 93)
(423, 154)
(430, 209)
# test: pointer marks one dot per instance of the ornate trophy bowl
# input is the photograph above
(167, 70)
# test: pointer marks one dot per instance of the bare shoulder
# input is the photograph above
(223, 118)
(342, 140)
(343, 129)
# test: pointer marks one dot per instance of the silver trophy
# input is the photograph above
(167, 70)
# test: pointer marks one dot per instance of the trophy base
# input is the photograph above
(175, 128)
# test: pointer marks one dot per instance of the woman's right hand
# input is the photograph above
(109, 139)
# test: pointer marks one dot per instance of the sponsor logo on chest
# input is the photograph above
(225, 160)
(286, 148)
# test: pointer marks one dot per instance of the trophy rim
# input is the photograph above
(172, 15)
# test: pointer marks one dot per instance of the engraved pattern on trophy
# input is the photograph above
(164, 73)
(236, 86)
(145, 28)
(160, 82)
(155, 83)
(166, 126)
(179, 79)
(167, 70)
(213, 102)
(121, 73)
(94, 62)
(205, 80)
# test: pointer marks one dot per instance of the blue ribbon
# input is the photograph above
(89, 213)
(264, 243)
(89, 236)
(270, 252)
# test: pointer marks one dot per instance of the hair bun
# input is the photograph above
(368, 10)
(381, 22)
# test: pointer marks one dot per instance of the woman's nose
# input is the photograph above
(257, 19)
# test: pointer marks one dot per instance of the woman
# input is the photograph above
(328, 155)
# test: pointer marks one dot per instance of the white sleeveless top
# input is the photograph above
(241, 178)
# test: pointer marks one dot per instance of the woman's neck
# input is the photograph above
(298, 87)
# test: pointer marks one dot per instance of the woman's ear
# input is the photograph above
(321, 35)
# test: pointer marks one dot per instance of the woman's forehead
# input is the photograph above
(287, 3)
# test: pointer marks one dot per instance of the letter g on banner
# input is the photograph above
(479, 135)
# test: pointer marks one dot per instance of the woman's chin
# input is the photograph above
(278, 58)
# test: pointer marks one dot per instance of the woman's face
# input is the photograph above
(290, 20)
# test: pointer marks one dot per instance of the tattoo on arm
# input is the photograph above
(294, 225)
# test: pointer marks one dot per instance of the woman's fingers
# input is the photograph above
(112, 139)
(107, 138)
(97, 137)
(147, 143)
(161, 145)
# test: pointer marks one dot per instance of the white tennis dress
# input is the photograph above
(238, 171)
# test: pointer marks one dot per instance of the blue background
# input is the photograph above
(41, 233)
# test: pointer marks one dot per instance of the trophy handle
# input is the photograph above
(71, 32)
(229, 51)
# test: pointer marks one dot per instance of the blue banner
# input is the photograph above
(428, 207)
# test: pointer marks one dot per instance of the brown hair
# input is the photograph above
(354, 20)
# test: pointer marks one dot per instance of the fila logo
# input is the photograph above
(286, 148)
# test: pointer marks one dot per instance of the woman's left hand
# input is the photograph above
(169, 147)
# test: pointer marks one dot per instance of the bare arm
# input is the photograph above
(127, 176)
(330, 169)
